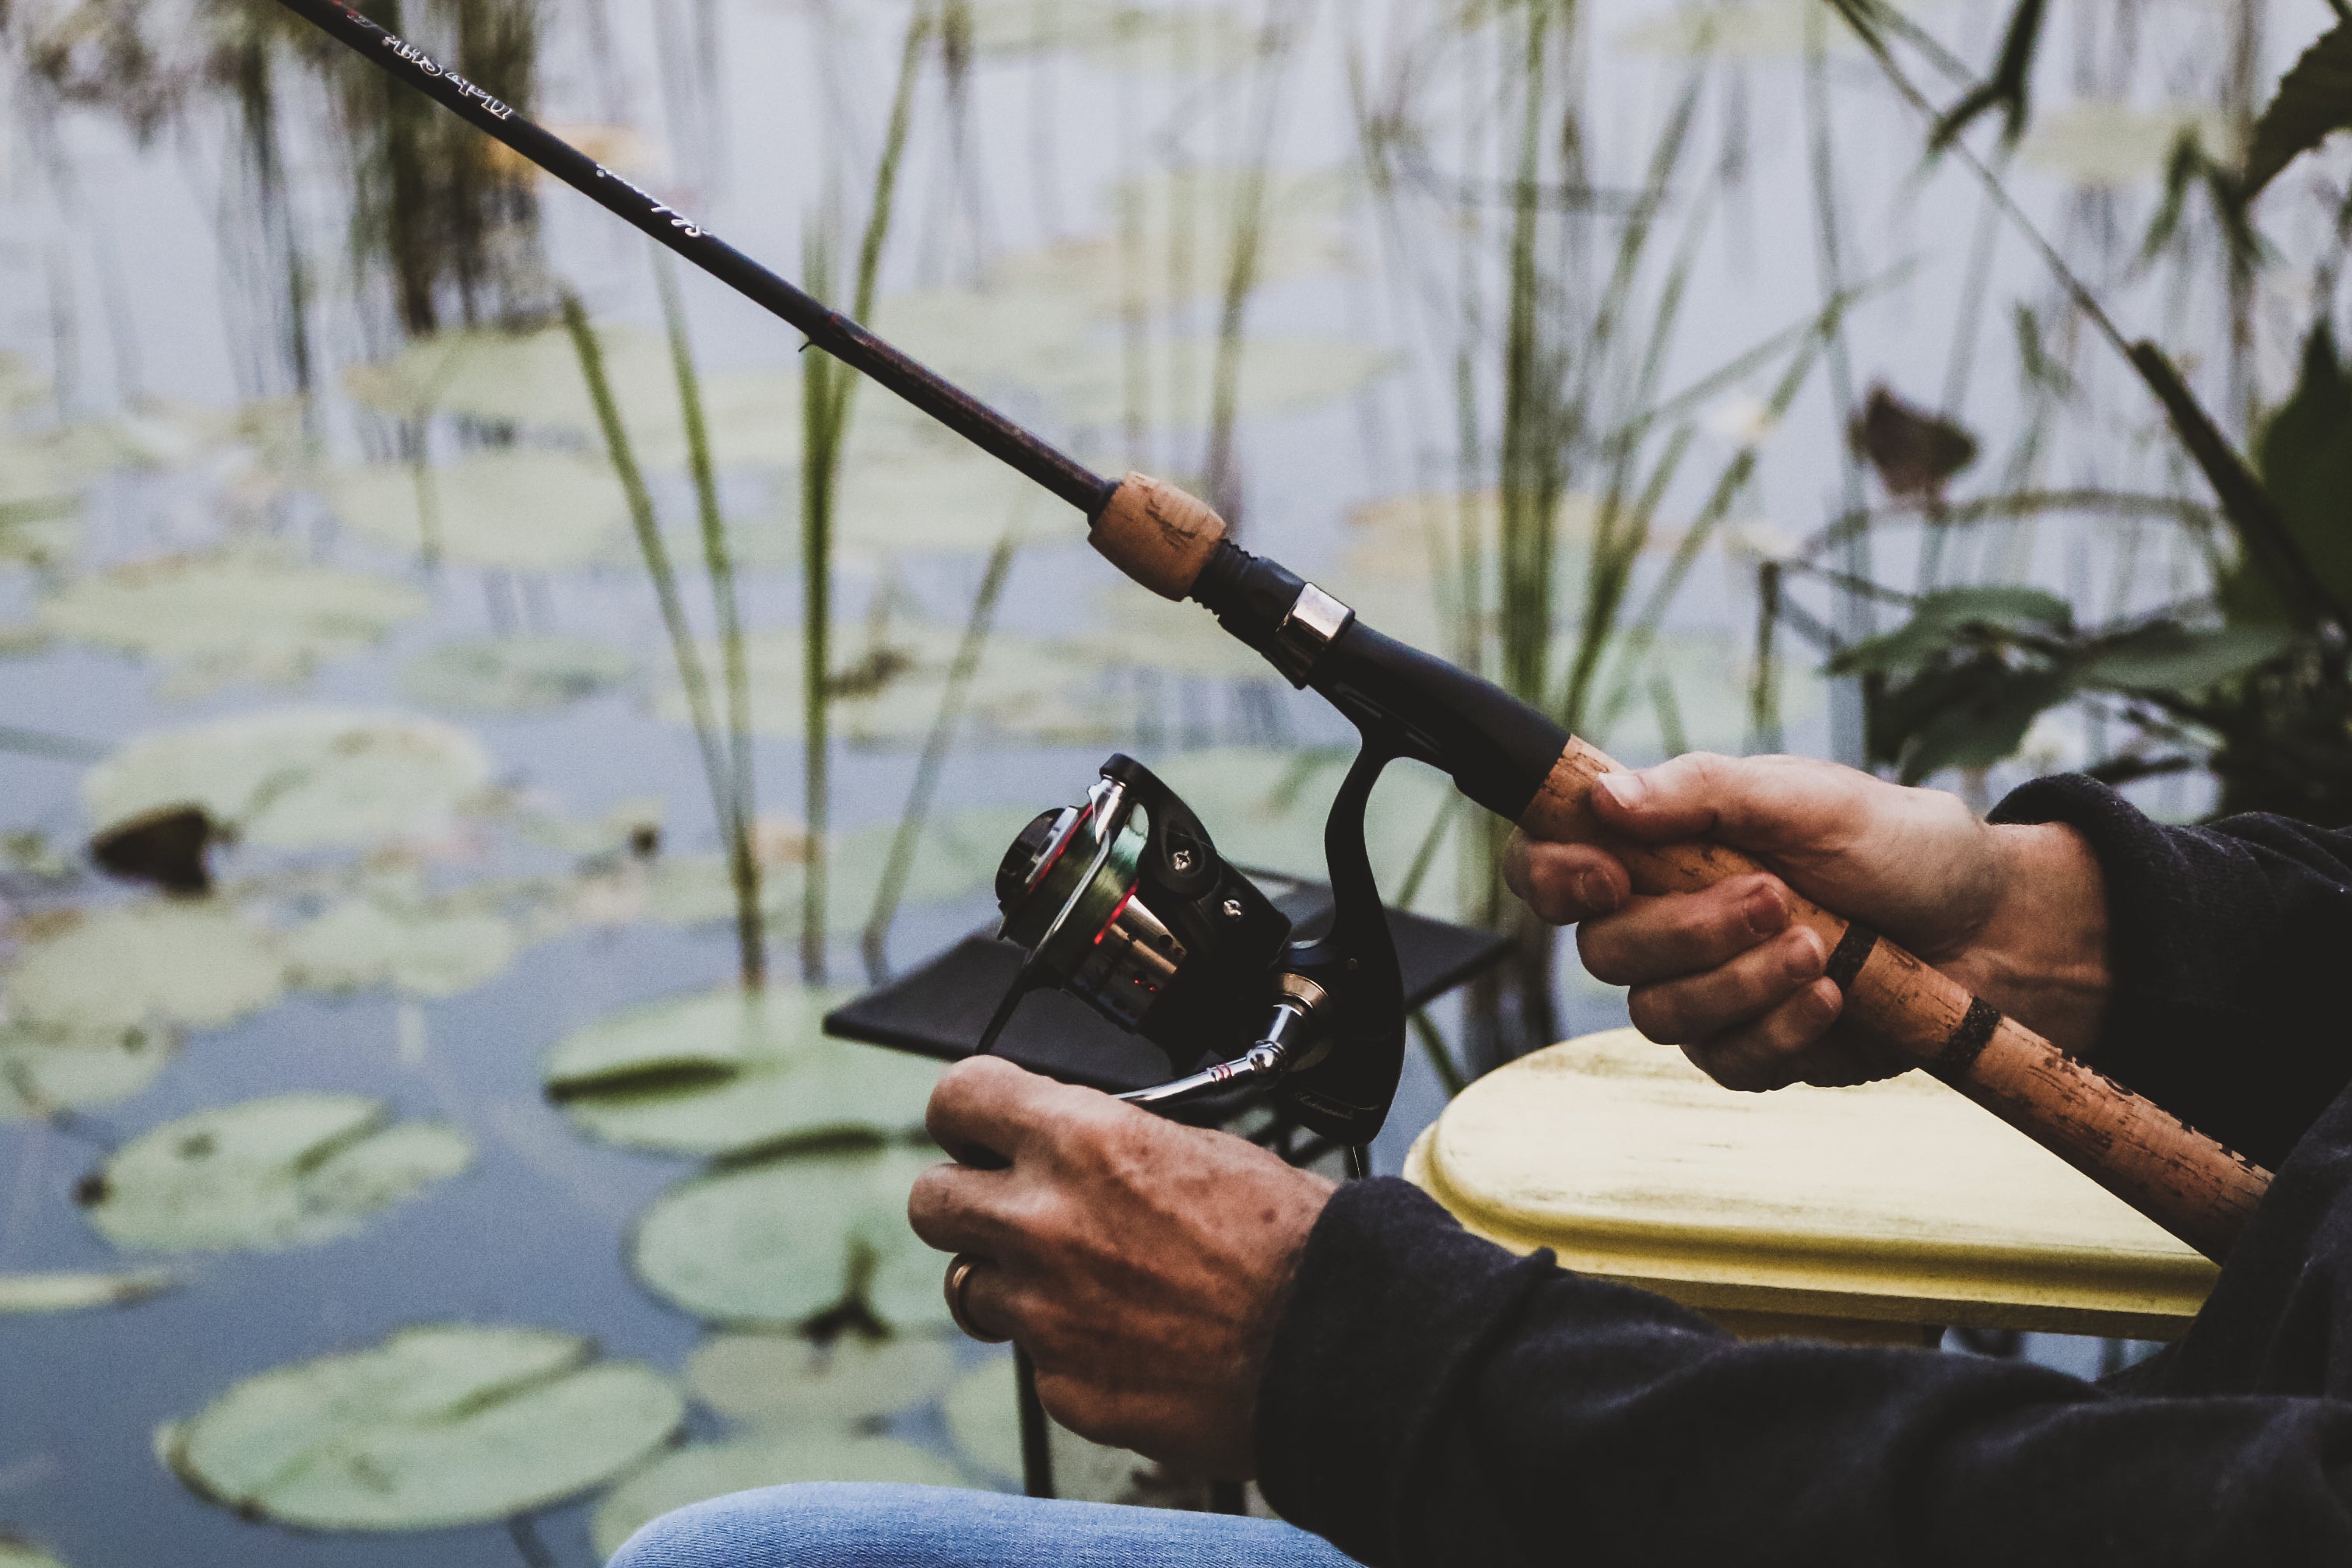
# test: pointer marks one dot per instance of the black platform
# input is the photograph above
(939, 1008)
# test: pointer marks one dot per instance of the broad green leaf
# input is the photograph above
(699, 1471)
(2166, 657)
(2314, 98)
(1954, 617)
(234, 614)
(2305, 454)
(528, 673)
(298, 778)
(78, 1292)
(983, 1418)
(2101, 141)
(777, 1381)
(280, 1172)
(156, 963)
(779, 1240)
(44, 1070)
(422, 950)
(730, 1070)
(437, 1425)
(515, 509)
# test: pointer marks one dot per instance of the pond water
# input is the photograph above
(305, 518)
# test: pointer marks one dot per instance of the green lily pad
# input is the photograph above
(779, 1380)
(516, 509)
(162, 961)
(425, 951)
(43, 1070)
(71, 1292)
(983, 1418)
(699, 1471)
(531, 381)
(530, 673)
(273, 1173)
(888, 693)
(778, 1241)
(299, 778)
(2097, 142)
(730, 1070)
(234, 614)
(15, 1552)
(437, 1425)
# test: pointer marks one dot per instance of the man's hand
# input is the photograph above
(1141, 1264)
(2017, 914)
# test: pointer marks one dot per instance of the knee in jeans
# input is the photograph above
(802, 1523)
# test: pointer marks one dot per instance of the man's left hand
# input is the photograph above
(1141, 1263)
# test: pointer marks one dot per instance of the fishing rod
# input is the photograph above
(1155, 930)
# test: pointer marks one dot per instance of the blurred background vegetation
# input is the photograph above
(472, 695)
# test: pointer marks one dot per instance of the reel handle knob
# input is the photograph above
(2195, 1187)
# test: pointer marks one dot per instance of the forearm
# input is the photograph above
(1432, 1400)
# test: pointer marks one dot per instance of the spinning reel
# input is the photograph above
(1153, 928)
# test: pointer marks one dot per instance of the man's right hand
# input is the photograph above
(2017, 914)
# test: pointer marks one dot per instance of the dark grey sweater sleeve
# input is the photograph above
(1432, 1400)
(2229, 948)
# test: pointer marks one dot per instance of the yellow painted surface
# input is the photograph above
(1892, 1203)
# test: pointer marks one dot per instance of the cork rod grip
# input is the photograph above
(2198, 1190)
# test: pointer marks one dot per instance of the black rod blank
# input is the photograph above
(827, 329)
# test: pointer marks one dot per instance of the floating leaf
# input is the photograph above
(1741, 29)
(699, 1471)
(15, 1552)
(983, 1417)
(165, 961)
(732, 1069)
(531, 381)
(527, 673)
(234, 614)
(888, 693)
(74, 1293)
(437, 1425)
(421, 950)
(1120, 38)
(280, 1172)
(298, 778)
(2098, 141)
(780, 1240)
(46, 1069)
(515, 509)
(779, 1380)
(2314, 99)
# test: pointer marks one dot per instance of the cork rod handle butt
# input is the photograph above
(2198, 1189)
(1157, 534)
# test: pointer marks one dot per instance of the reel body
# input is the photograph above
(1156, 931)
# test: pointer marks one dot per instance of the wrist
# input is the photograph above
(2042, 955)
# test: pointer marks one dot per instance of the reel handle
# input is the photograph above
(2196, 1189)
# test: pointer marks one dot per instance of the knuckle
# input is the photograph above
(1603, 955)
(1656, 1015)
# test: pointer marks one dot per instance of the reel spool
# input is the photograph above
(1157, 932)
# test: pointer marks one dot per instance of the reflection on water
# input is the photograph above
(409, 1000)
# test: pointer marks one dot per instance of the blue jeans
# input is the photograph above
(830, 1524)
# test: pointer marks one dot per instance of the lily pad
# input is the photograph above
(1733, 29)
(888, 692)
(298, 778)
(2097, 142)
(530, 673)
(531, 381)
(273, 1173)
(422, 951)
(15, 1552)
(778, 1380)
(1115, 37)
(72, 1292)
(234, 614)
(161, 962)
(782, 1240)
(437, 1425)
(730, 1070)
(699, 1471)
(45, 1070)
(983, 1417)
(516, 509)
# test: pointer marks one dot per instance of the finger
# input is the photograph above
(1654, 939)
(1702, 1005)
(1564, 883)
(1763, 803)
(961, 1209)
(984, 1105)
(994, 1303)
(1772, 1051)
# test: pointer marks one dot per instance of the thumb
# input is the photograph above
(1749, 803)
